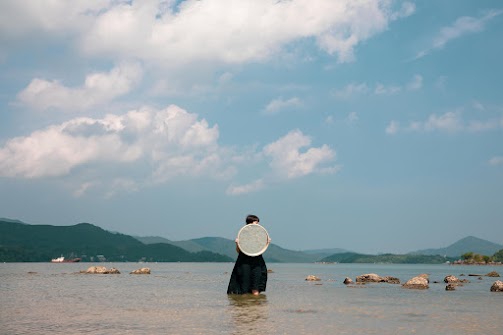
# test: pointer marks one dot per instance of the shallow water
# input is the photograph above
(189, 298)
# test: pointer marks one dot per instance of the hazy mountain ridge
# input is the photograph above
(467, 244)
(24, 242)
(227, 247)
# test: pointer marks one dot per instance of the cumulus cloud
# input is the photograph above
(222, 31)
(279, 104)
(151, 146)
(98, 88)
(163, 138)
(462, 26)
(287, 160)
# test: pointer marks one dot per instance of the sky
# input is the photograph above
(373, 126)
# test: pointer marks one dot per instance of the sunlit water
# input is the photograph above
(190, 298)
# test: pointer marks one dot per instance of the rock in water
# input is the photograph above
(312, 278)
(369, 278)
(450, 287)
(142, 271)
(348, 281)
(419, 283)
(497, 286)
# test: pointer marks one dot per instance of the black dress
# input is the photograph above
(249, 274)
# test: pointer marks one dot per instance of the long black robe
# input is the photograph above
(249, 274)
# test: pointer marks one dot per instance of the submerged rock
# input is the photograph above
(348, 281)
(450, 287)
(374, 278)
(419, 283)
(142, 271)
(312, 278)
(391, 280)
(101, 270)
(497, 286)
(369, 278)
(453, 279)
(493, 274)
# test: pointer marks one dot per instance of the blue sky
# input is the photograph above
(374, 126)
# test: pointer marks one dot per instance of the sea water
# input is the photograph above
(190, 298)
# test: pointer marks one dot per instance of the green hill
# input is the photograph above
(351, 257)
(21, 242)
(467, 244)
(227, 247)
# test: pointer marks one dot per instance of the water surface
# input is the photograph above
(189, 298)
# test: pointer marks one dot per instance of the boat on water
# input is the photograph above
(63, 260)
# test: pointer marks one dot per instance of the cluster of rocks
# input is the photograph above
(104, 270)
(419, 282)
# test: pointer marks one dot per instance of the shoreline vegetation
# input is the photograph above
(21, 242)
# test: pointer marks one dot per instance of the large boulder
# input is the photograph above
(419, 283)
(497, 286)
(142, 271)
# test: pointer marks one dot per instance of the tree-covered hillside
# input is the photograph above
(21, 242)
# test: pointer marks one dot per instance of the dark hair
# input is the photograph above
(252, 218)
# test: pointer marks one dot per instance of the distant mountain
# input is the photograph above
(321, 253)
(467, 244)
(351, 257)
(20, 242)
(227, 247)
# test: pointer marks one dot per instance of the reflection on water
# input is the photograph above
(249, 313)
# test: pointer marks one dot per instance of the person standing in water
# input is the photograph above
(250, 272)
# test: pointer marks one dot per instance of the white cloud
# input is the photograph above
(416, 83)
(351, 90)
(163, 138)
(279, 104)
(462, 26)
(254, 186)
(352, 118)
(288, 162)
(20, 18)
(221, 31)
(448, 122)
(496, 160)
(123, 153)
(98, 88)
(387, 90)
(392, 128)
